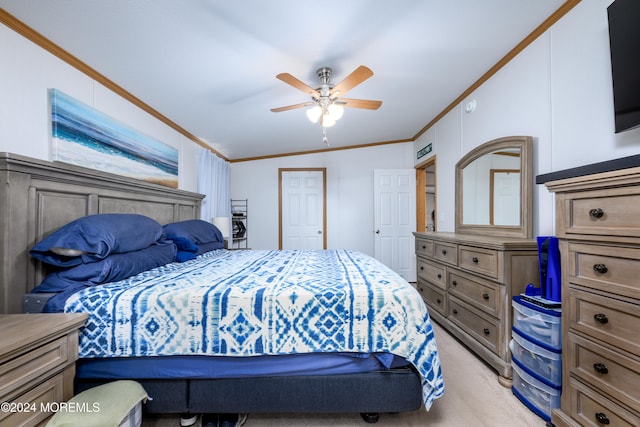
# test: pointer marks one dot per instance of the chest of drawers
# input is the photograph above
(37, 364)
(468, 281)
(598, 221)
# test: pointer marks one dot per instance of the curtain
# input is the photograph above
(213, 182)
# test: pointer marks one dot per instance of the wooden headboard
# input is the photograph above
(38, 197)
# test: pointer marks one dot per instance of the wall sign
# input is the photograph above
(424, 151)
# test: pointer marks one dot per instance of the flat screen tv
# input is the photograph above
(624, 42)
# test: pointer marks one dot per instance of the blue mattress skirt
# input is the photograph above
(164, 367)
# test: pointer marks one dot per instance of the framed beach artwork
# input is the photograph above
(84, 136)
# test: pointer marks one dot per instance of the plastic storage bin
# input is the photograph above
(540, 325)
(537, 396)
(543, 363)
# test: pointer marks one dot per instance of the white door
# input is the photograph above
(302, 209)
(506, 198)
(395, 220)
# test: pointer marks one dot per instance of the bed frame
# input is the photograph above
(39, 196)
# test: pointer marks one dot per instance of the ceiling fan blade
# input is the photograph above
(298, 84)
(292, 107)
(360, 103)
(359, 75)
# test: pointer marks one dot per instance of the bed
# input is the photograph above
(258, 331)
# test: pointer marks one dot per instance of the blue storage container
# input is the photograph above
(536, 395)
(542, 362)
(542, 326)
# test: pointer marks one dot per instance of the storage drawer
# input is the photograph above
(537, 323)
(606, 319)
(480, 326)
(433, 272)
(19, 371)
(606, 369)
(538, 397)
(610, 212)
(478, 260)
(590, 408)
(28, 405)
(606, 268)
(446, 252)
(480, 293)
(424, 247)
(543, 362)
(434, 297)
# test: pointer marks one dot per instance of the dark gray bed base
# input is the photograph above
(396, 390)
(37, 197)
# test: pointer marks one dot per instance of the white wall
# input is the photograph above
(26, 74)
(557, 90)
(350, 222)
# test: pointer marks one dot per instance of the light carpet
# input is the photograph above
(473, 397)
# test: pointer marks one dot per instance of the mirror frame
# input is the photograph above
(525, 229)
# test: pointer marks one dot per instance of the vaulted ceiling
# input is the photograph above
(209, 67)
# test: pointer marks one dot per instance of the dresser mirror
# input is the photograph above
(494, 188)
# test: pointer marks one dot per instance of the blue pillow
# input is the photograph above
(195, 230)
(188, 254)
(94, 237)
(207, 247)
(111, 269)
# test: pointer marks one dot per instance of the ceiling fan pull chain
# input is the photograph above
(324, 136)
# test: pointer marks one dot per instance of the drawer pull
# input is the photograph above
(455, 311)
(444, 252)
(486, 331)
(422, 267)
(601, 318)
(600, 268)
(439, 276)
(424, 246)
(596, 213)
(485, 296)
(602, 418)
(438, 301)
(475, 260)
(454, 283)
(601, 368)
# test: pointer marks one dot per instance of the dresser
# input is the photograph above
(37, 365)
(598, 222)
(467, 282)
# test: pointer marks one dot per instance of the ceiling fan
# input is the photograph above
(327, 104)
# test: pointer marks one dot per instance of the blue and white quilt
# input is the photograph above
(247, 303)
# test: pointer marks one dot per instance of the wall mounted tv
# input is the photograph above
(624, 41)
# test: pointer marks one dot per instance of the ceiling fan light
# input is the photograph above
(327, 120)
(336, 111)
(314, 113)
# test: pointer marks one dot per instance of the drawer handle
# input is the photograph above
(596, 213)
(424, 246)
(444, 252)
(455, 311)
(438, 300)
(602, 418)
(454, 283)
(601, 318)
(475, 260)
(486, 331)
(485, 296)
(601, 368)
(422, 267)
(600, 268)
(439, 276)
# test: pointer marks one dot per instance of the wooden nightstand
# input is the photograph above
(37, 364)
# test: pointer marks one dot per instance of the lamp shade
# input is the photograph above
(223, 224)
